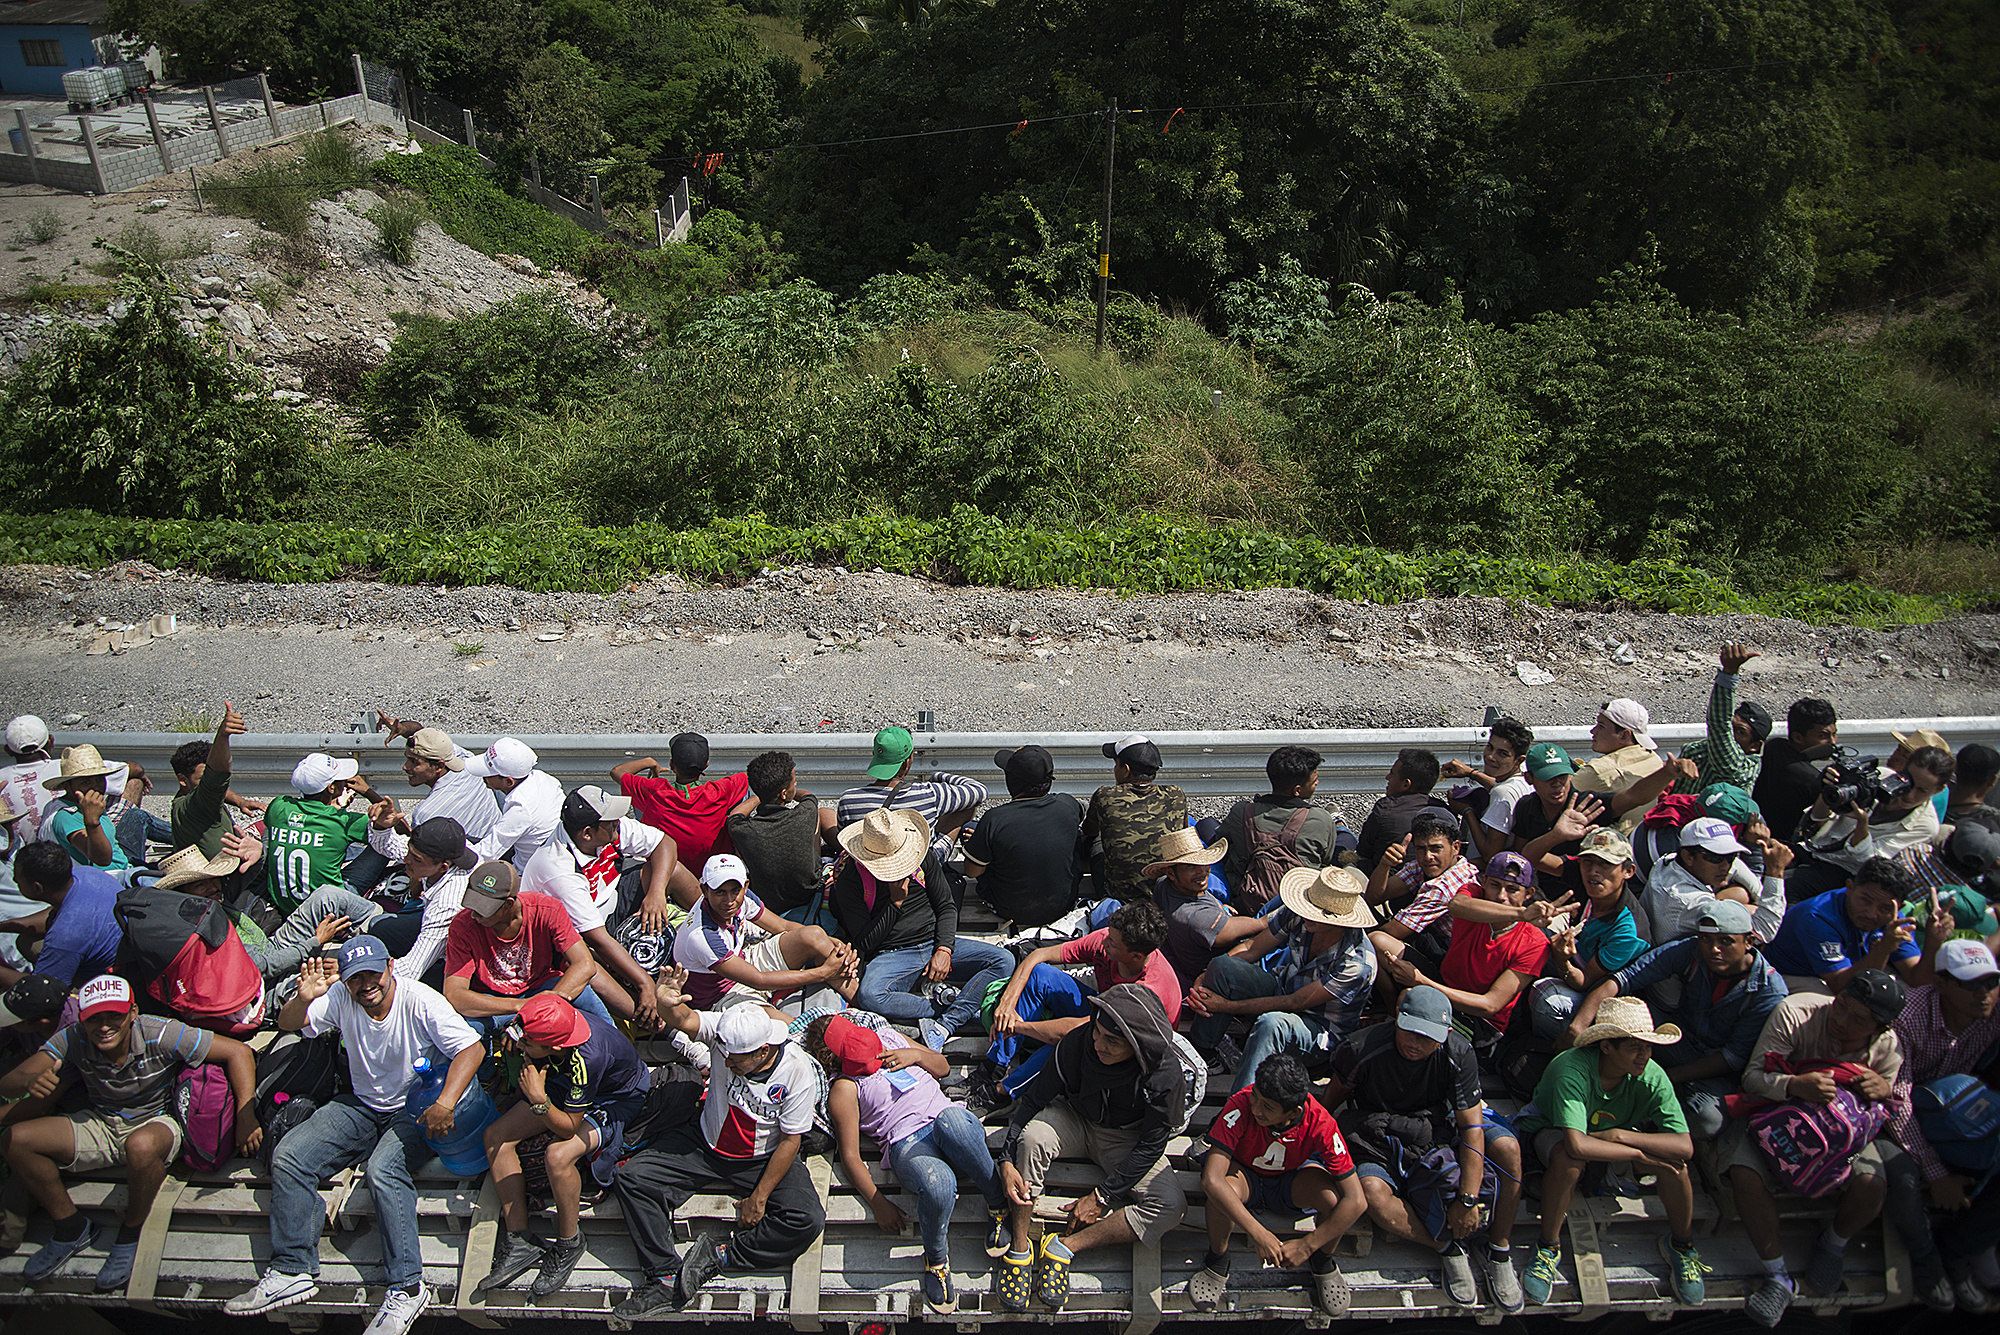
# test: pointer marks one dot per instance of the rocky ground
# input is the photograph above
(804, 648)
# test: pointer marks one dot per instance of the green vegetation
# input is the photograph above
(278, 193)
(468, 648)
(40, 227)
(397, 221)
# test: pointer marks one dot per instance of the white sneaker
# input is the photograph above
(276, 1289)
(399, 1310)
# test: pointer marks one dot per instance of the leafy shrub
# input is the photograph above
(330, 162)
(41, 226)
(1280, 305)
(525, 356)
(397, 220)
(794, 326)
(473, 206)
(274, 195)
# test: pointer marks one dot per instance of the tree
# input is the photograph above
(555, 109)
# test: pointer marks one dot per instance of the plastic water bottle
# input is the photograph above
(463, 1151)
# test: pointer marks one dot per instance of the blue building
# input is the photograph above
(40, 39)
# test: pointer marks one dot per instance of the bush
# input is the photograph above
(274, 195)
(474, 207)
(397, 221)
(329, 162)
(144, 244)
(41, 226)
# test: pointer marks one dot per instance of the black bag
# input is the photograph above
(312, 1069)
(285, 1114)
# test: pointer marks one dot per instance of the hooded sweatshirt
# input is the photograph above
(1147, 1094)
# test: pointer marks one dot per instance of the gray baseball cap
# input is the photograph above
(1425, 1012)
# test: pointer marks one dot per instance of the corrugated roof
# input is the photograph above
(91, 12)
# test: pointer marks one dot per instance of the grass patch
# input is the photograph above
(150, 246)
(473, 206)
(469, 648)
(397, 221)
(278, 194)
(786, 37)
(190, 722)
(40, 227)
(48, 293)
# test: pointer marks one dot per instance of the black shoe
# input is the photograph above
(702, 1263)
(986, 1100)
(519, 1253)
(557, 1262)
(653, 1298)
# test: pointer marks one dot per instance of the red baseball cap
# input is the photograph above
(858, 1049)
(549, 1020)
(105, 993)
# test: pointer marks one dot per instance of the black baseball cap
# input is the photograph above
(688, 752)
(443, 839)
(37, 996)
(1758, 717)
(1026, 766)
(1136, 751)
(1880, 991)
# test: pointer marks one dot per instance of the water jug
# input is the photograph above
(463, 1151)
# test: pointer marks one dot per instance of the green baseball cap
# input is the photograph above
(892, 747)
(1726, 801)
(1546, 760)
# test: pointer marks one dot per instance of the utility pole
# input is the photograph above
(1104, 234)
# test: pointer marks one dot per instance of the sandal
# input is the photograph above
(1013, 1282)
(1207, 1285)
(1051, 1275)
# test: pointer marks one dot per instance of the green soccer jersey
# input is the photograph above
(305, 842)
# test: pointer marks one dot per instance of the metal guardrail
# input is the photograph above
(1205, 764)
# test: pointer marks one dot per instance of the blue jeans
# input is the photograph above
(337, 1135)
(138, 827)
(297, 936)
(931, 1162)
(1050, 994)
(1273, 1031)
(486, 1026)
(887, 982)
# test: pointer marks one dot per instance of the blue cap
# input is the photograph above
(1425, 1012)
(364, 954)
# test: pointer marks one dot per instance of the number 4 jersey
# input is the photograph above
(305, 843)
(1315, 1141)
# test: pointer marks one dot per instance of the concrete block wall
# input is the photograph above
(76, 177)
(133, 167)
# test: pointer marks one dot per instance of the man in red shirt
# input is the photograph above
(505, 946)
(1275, 1148)
(1489, 965)
(692, 811)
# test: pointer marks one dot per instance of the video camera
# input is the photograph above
(1857, 781)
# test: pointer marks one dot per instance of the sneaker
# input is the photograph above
(116, 1272)
(1969, 1296)
(654, 1298)
(987, 1099)
(933, 1033)
(998, 1237)
(399, 1310)
(1013, 1281)
(1502, 1282)
(557, 1262)
(1823, 1274)
(1207, 1285)
(939, 1297)
(1051, 1276)
(1684, 1273)
(1767, 1305)
(1459, 1286)
(1543, 1272)
(1226, 1057)
(519, 1253)
(276, 1289)
(55, 1256)
(700, 1265)
(1330, 1292)
(1934, 1288)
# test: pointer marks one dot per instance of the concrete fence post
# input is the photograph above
(325, 116)
(215, 123)
(270, 107)
(90, 147)
(596, 197)
(361, 87)
(659, 231)
(159, 140)
(535, 169)
(471, 131)
(28, 146)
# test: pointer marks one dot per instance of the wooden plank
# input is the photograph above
(804, 1303)
(153, 1233)
(481, 1241)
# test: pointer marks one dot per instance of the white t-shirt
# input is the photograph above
(587, 887)
(381, 1054)
(21, 785)
(529, 817)
(1500, 809)
(742, 1117)
(701, 942)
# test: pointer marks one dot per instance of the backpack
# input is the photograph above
(287, 1113)
(1960, 1117)
(1810, 1147)
(192, 957)
(1271, 856)
(296, 1067)
(1194, 1077)
(206, 1110)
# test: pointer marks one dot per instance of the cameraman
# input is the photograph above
(1862, 812)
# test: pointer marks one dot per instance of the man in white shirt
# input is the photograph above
(438, 861)
(530, 801)
(387, 1025)
(432, 761)
(762, 1092)
(31, 760)
(738, 952)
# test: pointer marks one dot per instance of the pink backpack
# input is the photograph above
(1810, 1147)
(206, 1109)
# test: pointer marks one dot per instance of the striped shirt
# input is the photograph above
(931, 798)
(138, 1087)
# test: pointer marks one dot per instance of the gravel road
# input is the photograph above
(797, 649)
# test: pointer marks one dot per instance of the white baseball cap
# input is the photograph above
(507, 758)
(1630, 715)
(723, 868)
(1966, 960)
(1713, 834)
(320, 771)
(26, 732)
(742, 1029)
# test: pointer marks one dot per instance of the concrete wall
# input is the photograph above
(18, 76)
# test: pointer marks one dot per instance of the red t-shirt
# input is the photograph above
(1477, 958)
(693, 816)
(1159, 974)
(1315, 1140)
(510, 968)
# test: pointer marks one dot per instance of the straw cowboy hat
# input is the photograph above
(1181, 847)
(1333, 896)
(9, 812)
(78, 762)
(891, 844)
(187, 865)
(1627, 1017)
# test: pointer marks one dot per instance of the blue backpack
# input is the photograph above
(1960, 1117)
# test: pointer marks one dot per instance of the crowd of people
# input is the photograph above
(1764, 966)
